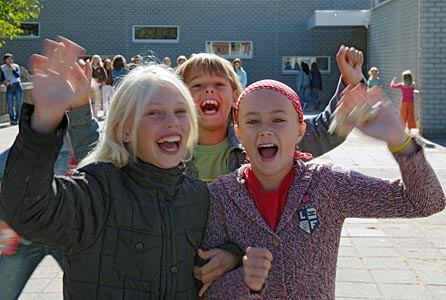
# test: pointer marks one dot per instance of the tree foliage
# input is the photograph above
(13, 13)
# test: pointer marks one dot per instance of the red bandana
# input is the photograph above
(274, 85)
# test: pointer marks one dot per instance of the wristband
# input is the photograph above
(396, 149)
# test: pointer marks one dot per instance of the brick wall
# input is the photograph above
(432, 62)
(410, 34)
(276, 28)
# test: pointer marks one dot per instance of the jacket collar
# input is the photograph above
(151, 176)
(301, 182)
(297, 190)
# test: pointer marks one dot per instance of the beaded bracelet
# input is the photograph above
(396, 149)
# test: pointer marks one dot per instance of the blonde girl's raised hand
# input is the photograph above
(61, 83)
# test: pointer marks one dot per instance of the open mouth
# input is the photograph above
(169, 143)
(209, 107)
(267, 150)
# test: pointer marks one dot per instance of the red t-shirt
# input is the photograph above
(269, 204)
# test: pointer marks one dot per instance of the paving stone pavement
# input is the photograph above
(378, 259)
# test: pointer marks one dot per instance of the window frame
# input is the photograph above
(309, 60)
(156, 41)
(21, 36)
(209, 46)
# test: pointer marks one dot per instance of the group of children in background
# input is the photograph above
(138, 221)
(108, 73)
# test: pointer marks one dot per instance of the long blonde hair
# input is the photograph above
(131, 97)
(99, 60)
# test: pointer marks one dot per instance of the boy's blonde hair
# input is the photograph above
(130, 100)
(207, 63)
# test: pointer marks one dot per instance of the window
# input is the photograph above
(30, 30)
(155, 34)
(291, 64)
(232, 49)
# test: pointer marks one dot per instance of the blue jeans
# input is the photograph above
(304, 95)
(14, 90)
(16, 269)
(315, 96)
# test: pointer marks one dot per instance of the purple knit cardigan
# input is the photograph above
(306, 241)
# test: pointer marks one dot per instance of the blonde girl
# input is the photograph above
(99, 77)
(407, 108)
(129, 221)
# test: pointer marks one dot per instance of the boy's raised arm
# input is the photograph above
(318, 140)
(84, 131)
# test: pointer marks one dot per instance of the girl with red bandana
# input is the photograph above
(288, 215)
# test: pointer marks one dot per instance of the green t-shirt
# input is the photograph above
(372, 82)
(211, 161)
